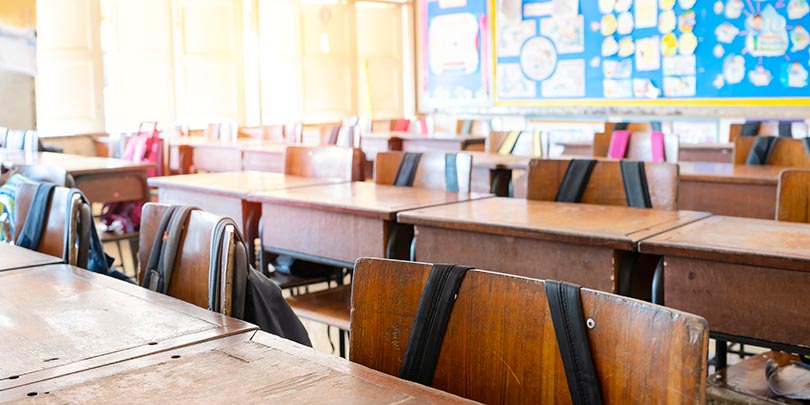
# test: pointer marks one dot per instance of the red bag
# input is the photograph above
(146, 146)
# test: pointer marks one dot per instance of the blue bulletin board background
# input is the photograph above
(456, 32)
(731, 58)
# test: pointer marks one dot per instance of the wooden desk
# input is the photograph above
(729, 189)
(264, 158)
(188, 154)
(100, 179)
(591, 245)
(14, 257)
(493, 172)
(248, 368)
(225, 194)
(59, 320)
(338, 223)
(706, 152)
(747, 277)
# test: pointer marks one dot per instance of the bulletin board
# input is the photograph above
(651, 52)
(455, 62)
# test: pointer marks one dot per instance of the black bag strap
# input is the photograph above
(430, 324)
(621, 126)
(636, 189)
(164, 249)
(31, 234)
(565, 304)
(806, 142)
(785, 129)
(451, 172)
(575, 180)
(761, 150)
(750, 128)
(83, 232)
(406, 172)
(240, 269)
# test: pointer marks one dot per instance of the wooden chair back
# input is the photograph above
(66, 227)
(48, 174)
(429, 174)
(382, 126)
(190, 278)
(606, 186)
(768, 128)
(325, 162)
(793, 196)
(526, 144)
(639, 147)
(601, 140)
(787, 152)
(500, 345)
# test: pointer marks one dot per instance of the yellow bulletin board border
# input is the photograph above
(625, 102)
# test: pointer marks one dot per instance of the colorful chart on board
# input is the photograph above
(649, 51)
(455, 63)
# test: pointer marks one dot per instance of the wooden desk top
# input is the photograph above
(76, 165)
(14, 257)
(362, 198)
(438, 136)
(729, 173)
(249, 368)
(267, 148)
(59, 319)
(593, 225)
(757, 242)
(236, 183)
(488, 160)
(201, 142)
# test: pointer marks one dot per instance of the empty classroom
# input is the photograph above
(405, 201)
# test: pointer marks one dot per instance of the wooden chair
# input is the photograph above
(325, 162)
(429, 174)
(500, 345)
(605, 186)
(190, 279)
(787, 152)
(67, 229)
(601, 141)
(793, 196)
(528, 143)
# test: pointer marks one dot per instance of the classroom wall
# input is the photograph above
(15, 86)
(18, 13)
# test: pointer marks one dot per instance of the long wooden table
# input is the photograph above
(246, 368)
(59, 320)
(226, 193)
(14, 257)
(591, 245)
(100, 179)
(747, 277)
(729, 189)
(338, 223)
(187, 154)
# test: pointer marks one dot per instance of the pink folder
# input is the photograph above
(618, 144)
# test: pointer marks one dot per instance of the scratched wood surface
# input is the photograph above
(14, 257)
(60, 319)
(243, 369)
(643, 353)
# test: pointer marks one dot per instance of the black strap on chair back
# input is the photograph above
(750, 128)
(239, 268)
(34, 227)
(575, 180)
(621, 126)
(761, 150)
(430, 324)
(451, 172)
(85, 224)
(806, 142)
(406, 172)
(636, 189)
(565, 304)
(785, 129)
(164, 249)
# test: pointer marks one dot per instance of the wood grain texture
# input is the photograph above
(268, 158)
(325, 162)
(330, 307)
(741, 299)
(793, 196)
(642, 353)
(729, 189)
(62, 221)
(787, 152)
(14, 257)
(755, 242)
(593, 225)
(60, 319)
(765, 129)
(263, 369)
(236, 184)
(606, 185)
(361, 198)
(706, 152)
(430, 173)
(745, 383)
(723, 173)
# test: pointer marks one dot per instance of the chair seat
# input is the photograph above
(331, 307)
(285, 281)
(744, 382)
